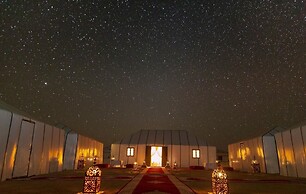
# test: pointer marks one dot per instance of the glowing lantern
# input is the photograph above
(219, 181)
(175, 165)
(255, 166)
(92, 180)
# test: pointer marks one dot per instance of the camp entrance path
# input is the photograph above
(155, 180)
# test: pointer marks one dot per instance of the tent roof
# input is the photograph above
(162, 137)
(273, 131)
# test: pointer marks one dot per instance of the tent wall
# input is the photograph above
(47, 141)
(179, 145)
(270, 152)
(37, 149)
(291, 151)
(281, 154)
(5, 118)
(88, 149)
(262, 149)
(299, 152)
(29, 147)
(279, 151)
(70, 151)
(12, 143)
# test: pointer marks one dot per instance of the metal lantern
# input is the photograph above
(175, 165)
(81, 163)
(219, 181)
(92, 180)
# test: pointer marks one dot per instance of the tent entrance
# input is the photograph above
(156, 156)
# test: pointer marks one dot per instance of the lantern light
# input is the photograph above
(92, 180)
(219, 181)
(255, 166)
(175, 165)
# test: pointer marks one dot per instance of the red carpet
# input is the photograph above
(155, 180)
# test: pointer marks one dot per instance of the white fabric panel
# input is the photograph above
(304, 136)
(248, 158)
(261, 156)
(204, 156)
(123, 157)
(230, 154)
(243, 151)
(21, 165)
(184, 138)
(12, 147)
(70, 151)
(151, 137)
(159, 138)
(176, 155)
(37, 148)
(299, 152)
(281, 154)
(169, 150)
(61, 150)
(5, 121)
(270, 155)
(46, 149)
(185, 156)
(115, 151)
(141, 154)
(237, 165)
(53, 156)
(212, 156)
(100, 148)
(87, 149)
(291, 164)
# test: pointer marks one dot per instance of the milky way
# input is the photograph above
(224, 70)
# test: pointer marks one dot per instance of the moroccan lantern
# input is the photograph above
(219, 181)
(81, 163)
(175, 165)
(92, 180)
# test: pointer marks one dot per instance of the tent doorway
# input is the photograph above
(156, 156)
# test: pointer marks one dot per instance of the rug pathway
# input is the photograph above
(155, 180)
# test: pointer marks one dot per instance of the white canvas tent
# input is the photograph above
(157, 147)
(260, 150)
(29, 147)
(79, 147)
(292, 151)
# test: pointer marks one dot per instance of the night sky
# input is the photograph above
(223, 70)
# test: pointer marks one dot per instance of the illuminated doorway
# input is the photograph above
(156, 156)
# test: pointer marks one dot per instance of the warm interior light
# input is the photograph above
(156, 156)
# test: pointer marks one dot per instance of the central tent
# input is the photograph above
(164, 147)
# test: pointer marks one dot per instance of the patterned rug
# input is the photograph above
(155, 181)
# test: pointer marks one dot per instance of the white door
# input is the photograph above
(24, 147)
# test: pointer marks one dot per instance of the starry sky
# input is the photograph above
(223, 70)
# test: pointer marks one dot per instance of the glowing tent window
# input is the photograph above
(130, 151)
(196, 153)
